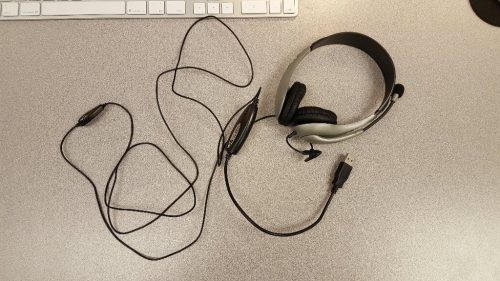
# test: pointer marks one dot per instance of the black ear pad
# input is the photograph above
(291, 103)
(312, 114)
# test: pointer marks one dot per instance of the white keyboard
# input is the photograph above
(92, 9)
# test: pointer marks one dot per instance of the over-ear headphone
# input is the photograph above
(315, 124)
(318, 125)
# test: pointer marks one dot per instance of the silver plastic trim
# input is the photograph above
(319, 139)
(285, 81)
(331, 130)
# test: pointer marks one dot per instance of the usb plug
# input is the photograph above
(342, 173)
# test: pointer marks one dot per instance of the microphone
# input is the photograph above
(311, 153)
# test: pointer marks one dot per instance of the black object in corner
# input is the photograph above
(487, 10)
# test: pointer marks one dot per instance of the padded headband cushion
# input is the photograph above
(312, 114)
(291, 103)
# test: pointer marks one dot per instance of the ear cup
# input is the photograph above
(312, 114)
(291, 103)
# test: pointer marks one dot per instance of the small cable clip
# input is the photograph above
(311, 154)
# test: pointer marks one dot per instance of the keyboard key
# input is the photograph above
(275, 6)
(156, 7)
(289, 6)
(64, 8)
(176, 7)
(253, 7)
(29, 9)
(10, 9)
(213, 8)
(227, 8)
(199, 8)
(136, 7)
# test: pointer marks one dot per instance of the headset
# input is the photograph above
(317, 125)
(312, 123)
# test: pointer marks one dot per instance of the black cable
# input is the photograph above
(256, 225)
(311, 153)
(341, 175)
(264, 118)
(292, 134)
(287, 139)
(110, 185)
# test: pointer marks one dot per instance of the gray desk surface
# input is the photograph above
(423, 202)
